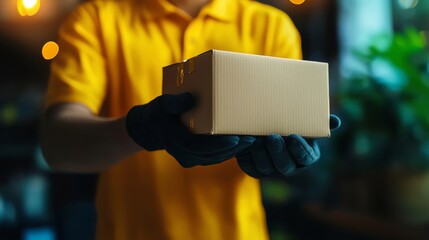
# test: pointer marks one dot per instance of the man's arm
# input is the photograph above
(74, 140)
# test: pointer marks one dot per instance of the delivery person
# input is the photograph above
(105, 113)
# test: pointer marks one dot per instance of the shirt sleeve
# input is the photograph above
(78, 72)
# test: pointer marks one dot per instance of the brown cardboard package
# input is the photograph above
(249, 94)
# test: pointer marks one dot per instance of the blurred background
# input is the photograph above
(372, 181)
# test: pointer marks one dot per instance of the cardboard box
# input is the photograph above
(249, 94)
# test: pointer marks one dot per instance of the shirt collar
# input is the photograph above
(221, 9)
(218, 9)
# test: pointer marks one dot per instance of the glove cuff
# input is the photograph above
(139, 131)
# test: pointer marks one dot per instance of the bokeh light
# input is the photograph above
(297, 2)
(28, 7)
(406, 4)
(29, 3)
(50, 50)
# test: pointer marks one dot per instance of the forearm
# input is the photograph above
(78, 142)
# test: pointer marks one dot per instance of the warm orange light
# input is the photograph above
(29, 3)
(297, 2)
(50, 50)
(28, 7)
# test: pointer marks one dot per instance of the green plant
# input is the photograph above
(385, 108)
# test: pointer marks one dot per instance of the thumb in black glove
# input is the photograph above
(275, 154)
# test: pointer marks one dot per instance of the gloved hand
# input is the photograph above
(275, 154)
(156, 126)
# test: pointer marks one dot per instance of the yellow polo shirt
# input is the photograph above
(111, 58)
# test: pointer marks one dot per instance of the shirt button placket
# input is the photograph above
(190, 40)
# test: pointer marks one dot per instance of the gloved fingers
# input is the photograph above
(181, 138)
(304, 153)
(183, 159)
(334, 122)
(187, 159)
(213, 158)
(244, 143)
(247, 165)
(312, 142)
(262, 158)
(190, 159)
(207, 144)
(281, 158)
(174, 104)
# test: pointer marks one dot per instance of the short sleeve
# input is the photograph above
(78, 73)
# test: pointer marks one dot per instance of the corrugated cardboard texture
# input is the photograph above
(254, 95)
(259, 95)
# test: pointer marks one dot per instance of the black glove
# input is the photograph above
(156, 126)
(275, 154)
